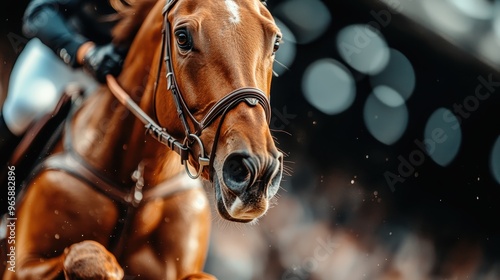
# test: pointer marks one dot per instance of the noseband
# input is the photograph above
(252, 96)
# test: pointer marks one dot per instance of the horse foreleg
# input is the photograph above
(55, 214)
(43, 268)
(90, 260)
(84, 260)
(171, 240)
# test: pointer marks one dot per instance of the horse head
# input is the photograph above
(219, 68)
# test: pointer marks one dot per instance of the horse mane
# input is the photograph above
(132, 14)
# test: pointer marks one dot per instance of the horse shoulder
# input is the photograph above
(57, 209)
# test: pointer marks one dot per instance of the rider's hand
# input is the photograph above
(103, 60)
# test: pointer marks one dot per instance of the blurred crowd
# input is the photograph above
(332, 228)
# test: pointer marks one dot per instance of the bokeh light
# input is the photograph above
(286, 54)
(388, 96)
(447, 19)
(386, 123)
(308, 19)
(496, 20)
(495, 160)
(329, 86)
(363, 48)
(443, 136)
(398, 75)
(478, 9)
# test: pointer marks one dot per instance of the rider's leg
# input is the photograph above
(31, 94)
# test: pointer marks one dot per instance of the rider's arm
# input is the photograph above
(46, 20)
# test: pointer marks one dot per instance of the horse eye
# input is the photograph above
(183, 39)
(276, 44)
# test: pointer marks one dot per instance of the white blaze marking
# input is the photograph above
(234, 10)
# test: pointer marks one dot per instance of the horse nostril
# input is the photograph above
(236, 172)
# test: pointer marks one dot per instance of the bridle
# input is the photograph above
(252, 96)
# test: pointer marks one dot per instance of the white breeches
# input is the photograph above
(37, 82)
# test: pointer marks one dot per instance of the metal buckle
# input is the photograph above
(169, 77)
(202, 160)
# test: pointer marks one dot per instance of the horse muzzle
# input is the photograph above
(245, 184)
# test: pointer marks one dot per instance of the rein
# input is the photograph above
(252, 96)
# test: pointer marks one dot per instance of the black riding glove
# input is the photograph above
(103, 60)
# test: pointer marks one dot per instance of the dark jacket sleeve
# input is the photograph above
(47, 21)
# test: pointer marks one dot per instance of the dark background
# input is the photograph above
(455, 208)
(445, 75)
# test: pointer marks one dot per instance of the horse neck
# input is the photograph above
(109, 137)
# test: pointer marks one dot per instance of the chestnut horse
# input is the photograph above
(212, 111)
